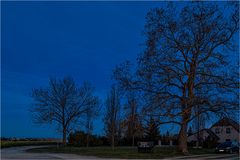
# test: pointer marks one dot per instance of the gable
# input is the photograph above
(227, 122)
(203, 133)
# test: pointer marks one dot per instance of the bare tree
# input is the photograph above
(63, 103)
(132, 120)
(186, 64)
(91, 113)
(89, 126)
(112, 115)
(152, 129)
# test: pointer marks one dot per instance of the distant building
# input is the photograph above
(224, 130)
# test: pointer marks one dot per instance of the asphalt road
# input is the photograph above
(21, 154)
(211, 156)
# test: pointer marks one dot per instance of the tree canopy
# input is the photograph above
(63, 103)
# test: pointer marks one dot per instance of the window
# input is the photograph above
(217, 131)
(228, 131)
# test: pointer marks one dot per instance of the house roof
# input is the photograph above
(227, 122)
(211, 133)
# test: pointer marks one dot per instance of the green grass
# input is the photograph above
(119, 152)
(6, 144)
(196, 151)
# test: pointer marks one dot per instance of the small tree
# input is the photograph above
(91, 113)
(89, 126)
(77, 138)
(63, 103)
(132, 124)
(152, 130)
(112, 115)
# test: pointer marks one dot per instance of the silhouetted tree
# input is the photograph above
(185, 64)
(112, 115)
(167, 134)
(79, 138)
(152, 130)
(131, 123)
(91, 113)
(63, 103)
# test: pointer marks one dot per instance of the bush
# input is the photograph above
(79, 139)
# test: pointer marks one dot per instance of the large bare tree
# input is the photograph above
(63, 103)
(187, 63)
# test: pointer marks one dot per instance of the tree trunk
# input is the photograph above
(182, 140)
(87, 140)
(133, 140)
(64, 137)
(113, 141)
(186, 111)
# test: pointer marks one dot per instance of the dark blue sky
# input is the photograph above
(85, 40)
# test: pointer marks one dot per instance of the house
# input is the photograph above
(203, 135)
(224, 130)
(227, 130)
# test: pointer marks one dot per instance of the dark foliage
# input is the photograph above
(79, 139)
(152, 132)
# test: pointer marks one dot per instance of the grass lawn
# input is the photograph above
(5, 144)
(120, 152)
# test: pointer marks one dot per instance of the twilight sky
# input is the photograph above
(85, 40)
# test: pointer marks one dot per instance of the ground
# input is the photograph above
(5, 144)
(21, 153)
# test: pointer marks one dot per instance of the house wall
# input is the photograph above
(203, 134)
(233, 136)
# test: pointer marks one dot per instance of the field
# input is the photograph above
(5, 144)
(120, 152)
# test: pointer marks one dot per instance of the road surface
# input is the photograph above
(211, 156)
(20, 153)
